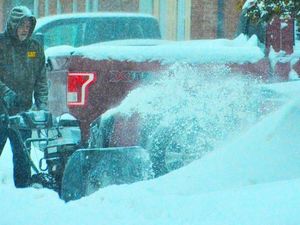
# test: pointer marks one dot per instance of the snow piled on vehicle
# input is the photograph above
(189, 111)
(239, 50)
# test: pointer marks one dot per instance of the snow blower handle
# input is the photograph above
(37, 119)
(31, 120)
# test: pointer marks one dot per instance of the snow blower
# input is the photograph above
(69, 169)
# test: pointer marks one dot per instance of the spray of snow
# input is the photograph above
(190, 110)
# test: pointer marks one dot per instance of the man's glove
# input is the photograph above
(3, 121)
(9, 99)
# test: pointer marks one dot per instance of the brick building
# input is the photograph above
(179, 19)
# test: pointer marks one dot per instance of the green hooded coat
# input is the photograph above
(22, 64)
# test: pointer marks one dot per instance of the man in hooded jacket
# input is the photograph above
(22, 77)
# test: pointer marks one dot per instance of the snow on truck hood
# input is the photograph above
(239, 50)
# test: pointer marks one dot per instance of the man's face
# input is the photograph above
(23, 29)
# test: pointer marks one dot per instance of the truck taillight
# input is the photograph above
(78, 84)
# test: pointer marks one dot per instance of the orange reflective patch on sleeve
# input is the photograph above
(31, 54)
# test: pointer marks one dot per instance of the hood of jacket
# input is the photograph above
(17, 14)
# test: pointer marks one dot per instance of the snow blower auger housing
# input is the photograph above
(72, 171)
(91, 169)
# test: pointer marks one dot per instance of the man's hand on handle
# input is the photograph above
(9, 99)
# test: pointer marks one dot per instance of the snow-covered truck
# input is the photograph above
(95, 59)
(89, 80)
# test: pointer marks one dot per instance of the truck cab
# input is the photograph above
(81, 29)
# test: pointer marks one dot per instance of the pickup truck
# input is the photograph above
(91, 76)
(98, 77)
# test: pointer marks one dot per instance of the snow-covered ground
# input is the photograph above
(253, 179)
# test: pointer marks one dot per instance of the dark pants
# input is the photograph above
(22, 169)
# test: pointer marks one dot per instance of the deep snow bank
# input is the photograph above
(269, 152)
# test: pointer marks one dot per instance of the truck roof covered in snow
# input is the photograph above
(44, 20)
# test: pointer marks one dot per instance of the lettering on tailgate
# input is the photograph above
(129, 76)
